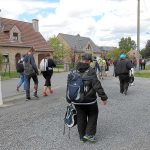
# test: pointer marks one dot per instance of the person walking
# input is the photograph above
(30, 71)
(20, 70)
(87, 110)
(94, 64)
(143, 63)
(122, 69)
(103, 68)
(47, 74)
(114, 66)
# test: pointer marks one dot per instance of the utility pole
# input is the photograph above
(138, 32)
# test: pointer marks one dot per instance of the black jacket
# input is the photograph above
(94, 85)
(30, 58)
(123, 66)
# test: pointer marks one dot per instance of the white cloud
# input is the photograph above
(117, 18)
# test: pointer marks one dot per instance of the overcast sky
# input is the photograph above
(104, 21)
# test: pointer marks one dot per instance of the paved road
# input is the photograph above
(124, 124)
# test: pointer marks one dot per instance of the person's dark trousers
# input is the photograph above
(47, 77)
(35, 80)
(124, 83)
(87, 119)
(143, 66)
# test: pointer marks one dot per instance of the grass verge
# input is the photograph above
(142, 74)
(7, 75)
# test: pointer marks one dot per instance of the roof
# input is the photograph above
(29, 38)
(78, 43)
(108, 48)
(133, 53)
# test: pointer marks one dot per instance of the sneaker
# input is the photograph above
(82, 140)
(17, 89)
(45, 94)
(35, 95)
(90, 138)
(28, 98)
(125, 92)
(51, 91)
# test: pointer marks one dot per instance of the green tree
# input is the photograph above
(127, 44)
(142, 52)
(114, 54)
(58, 47)
(147, 50)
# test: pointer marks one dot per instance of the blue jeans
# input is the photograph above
(22, 80)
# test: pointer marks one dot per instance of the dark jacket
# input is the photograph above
(49, 69)
(94, 85)
(123, 66)
(30, 58)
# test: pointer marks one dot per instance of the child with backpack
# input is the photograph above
(20, 70)
(83, 94)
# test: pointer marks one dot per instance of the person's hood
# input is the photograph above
(82, 67)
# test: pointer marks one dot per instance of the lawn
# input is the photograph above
(14, 74)
(143, 73)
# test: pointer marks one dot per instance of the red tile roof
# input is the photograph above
(29, 38)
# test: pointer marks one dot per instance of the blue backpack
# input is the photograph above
(75, 86)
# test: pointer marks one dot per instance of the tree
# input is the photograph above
(58, 48)
(114, 54)
(142, 52)
(127, 44)
(147, 50)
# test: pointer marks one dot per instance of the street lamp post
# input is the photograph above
(138, 32)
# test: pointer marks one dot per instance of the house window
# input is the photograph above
(5, 58)
(15, 36)
(88, 47)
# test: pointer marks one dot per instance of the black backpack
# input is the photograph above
(70, 119)
(20, 66)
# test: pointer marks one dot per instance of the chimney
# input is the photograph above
(35, 25)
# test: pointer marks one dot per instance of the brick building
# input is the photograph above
(16, 38)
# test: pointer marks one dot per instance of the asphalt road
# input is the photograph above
(124, 124)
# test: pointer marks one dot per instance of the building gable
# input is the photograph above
(15, 34)
(22, 34)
